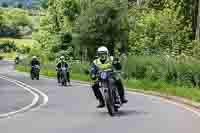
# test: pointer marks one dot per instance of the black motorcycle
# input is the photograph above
(110, 92)
(35, 73)
(63, 76)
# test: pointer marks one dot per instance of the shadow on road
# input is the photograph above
(122, 113)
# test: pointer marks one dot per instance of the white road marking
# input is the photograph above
(168, 101)
(159, 98)
(45, 97)
(146, 95)
(34, 102)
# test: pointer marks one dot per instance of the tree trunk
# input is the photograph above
(197, 18)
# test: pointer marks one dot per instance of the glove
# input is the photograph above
(93, 77)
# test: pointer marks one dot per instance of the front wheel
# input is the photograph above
(32, 76)
(109, 103)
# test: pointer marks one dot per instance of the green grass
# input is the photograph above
(165, 88)
(8, 55)
(19, 42)
(146, 85)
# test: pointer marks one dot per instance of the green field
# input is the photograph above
(19, 42)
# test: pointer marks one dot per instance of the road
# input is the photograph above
(73, 109)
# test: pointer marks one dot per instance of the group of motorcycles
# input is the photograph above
(62, 74)
(108, 88)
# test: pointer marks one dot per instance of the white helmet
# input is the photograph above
(34, 57)
(102, 49)
(62, 58)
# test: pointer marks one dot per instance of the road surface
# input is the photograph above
(52, 108)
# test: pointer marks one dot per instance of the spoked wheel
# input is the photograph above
(109, 104)
(63, 80)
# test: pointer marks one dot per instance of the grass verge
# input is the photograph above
(146, 85)
(8, 55)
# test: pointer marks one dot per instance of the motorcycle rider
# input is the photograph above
(104, 61)
(62, 63)
(17, 59)
(34, 62)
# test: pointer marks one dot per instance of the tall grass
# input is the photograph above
(168, 69)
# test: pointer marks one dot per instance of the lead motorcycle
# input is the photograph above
(35, 72)
(109, 91)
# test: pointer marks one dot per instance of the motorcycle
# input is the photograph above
(110, 92)
(16, 62)
(35, 73)
(63, 76)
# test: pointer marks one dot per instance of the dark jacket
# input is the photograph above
(35, 62)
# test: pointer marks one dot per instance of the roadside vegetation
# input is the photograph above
(157, 40)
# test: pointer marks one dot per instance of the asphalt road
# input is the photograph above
(73, 110)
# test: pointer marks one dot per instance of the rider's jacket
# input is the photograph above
(61, 64)
(110, 63)
(98, 65)
(35, 62)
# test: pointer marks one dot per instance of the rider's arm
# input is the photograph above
(58, 65)
(116, 64)
(93, 71)
(38, 63)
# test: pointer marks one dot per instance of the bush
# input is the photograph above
(155, 68)
(7, 46)
(1, 57)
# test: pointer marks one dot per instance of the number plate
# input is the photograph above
(103, 75)
(63, 68)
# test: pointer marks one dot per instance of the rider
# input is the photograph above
(62, 63)
(104, 61)
(17, 59)
(34, 62)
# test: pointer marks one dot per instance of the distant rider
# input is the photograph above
(34, 62)
(62, 63)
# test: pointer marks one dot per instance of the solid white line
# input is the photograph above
(34, 102)
(45, 97)
(160, 98)
(168, 101)
(146, 95)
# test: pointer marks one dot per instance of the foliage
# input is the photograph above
(105, 23)
(183, 70)
(7, 46)
(13, 22)
(157, 32)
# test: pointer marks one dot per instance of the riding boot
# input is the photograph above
(121, 91)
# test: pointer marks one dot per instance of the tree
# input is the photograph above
(61, 14)
(105, 23)
(44, 4)
(19, 5)
(4, 4)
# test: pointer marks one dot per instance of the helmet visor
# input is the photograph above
(102, 55)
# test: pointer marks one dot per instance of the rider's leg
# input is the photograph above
(121, 91)
(98, 95)
(58, 76)
(68, 77)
